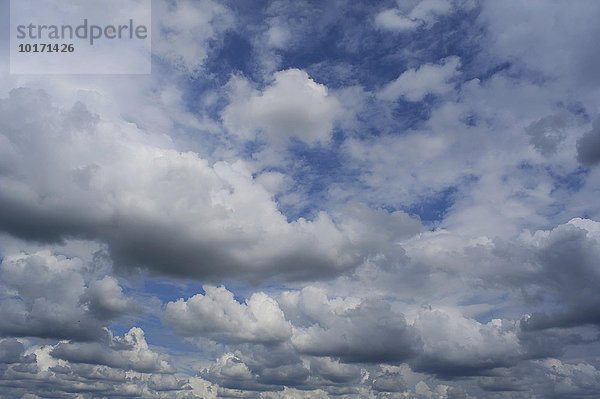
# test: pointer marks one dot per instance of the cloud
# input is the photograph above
(394, 20)
(561, 51)
(291, 393)
(425, 13)
(588, 146)
(229, 371)
(360, 334)
(219, 316)
(456, 346)
(335, 371)
(47, 376)
(547, 133)
(388, 381)
(278, 34)
(105, 299)
(155, 207)
(12, 351)
(551, 378)
(414, 84)
(187, 30)
(35, 307)
(567, 275)
(130, 352)
(181, 177)
(292, 106)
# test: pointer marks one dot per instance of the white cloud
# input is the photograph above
(562, 50)
(187, 29)
(219, 316)
(415, 84)
(394, 20)
(291, 393)
(292, 106)
(277, 34)
(425, 13)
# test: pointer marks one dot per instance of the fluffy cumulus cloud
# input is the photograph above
(154, 206)
(105, 298)
(310, 200)
(46, 295)
(292, 106)
(218, 315)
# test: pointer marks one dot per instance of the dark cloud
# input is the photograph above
(388, 382)
(69, 174)
(105, 299)
(48, 298)
(570, 275)
(550, 378)
(588, 146)
(369, 333)
(547, 133)
(12, 351)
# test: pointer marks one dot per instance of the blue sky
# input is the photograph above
(307, 199)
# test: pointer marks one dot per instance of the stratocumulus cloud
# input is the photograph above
(310, 200)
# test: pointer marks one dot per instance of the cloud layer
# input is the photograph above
(310, 200)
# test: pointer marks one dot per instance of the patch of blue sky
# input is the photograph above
(171, 290)
(412, 115)
(315, 170)
(530, 175)
(323, 43)
(233, 55)
(339, 52)
(490, 71)
(571, 181)
(374, 58)
(432, 209)
(165, 291)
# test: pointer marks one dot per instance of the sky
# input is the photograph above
(310, 199)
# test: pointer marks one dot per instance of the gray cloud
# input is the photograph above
(156, 207)
(45, 291)
(361, 334)
(130, 352)
(588, 146)
(178, 176)
(12, 351)
(105, 299)
(551, 378)
(547, 133)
